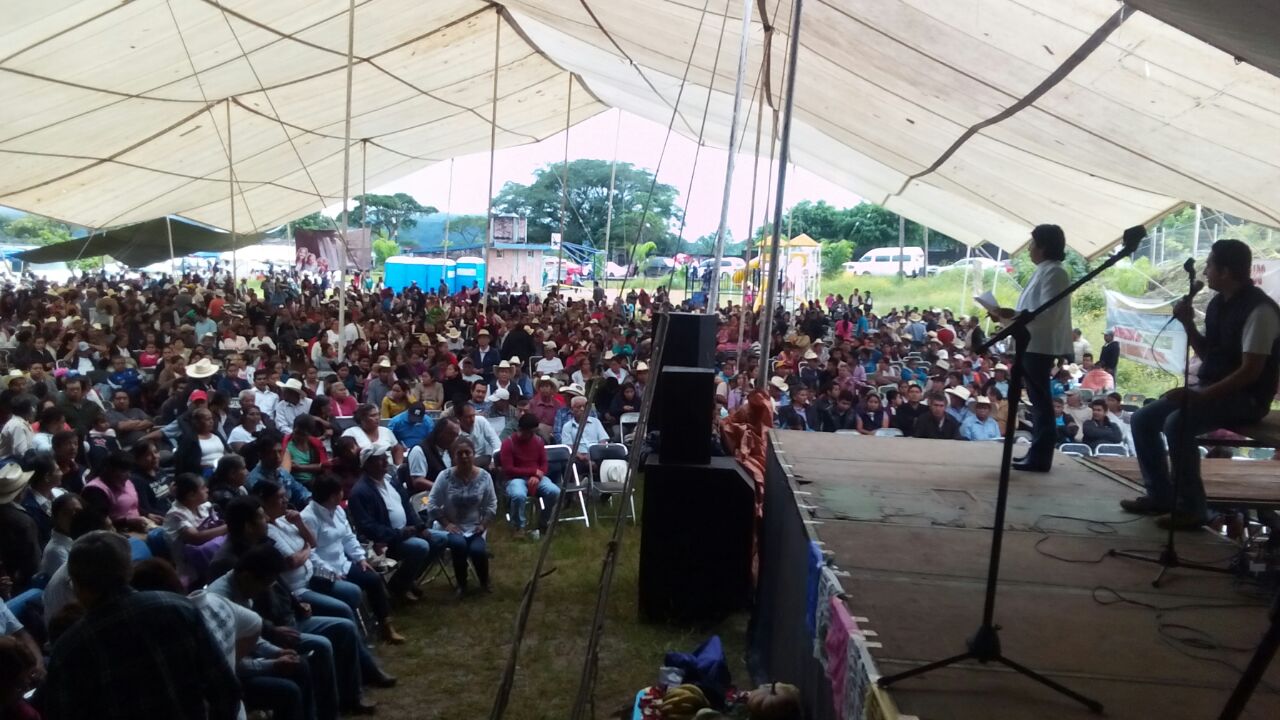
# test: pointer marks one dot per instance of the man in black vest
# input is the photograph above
(1239, 355)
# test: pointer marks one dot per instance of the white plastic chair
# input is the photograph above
(1076, 449)
(888, 432)
(1111, 450)
(848, 432)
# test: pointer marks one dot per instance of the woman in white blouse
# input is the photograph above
(339, 553)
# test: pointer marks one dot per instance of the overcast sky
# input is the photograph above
(641, 145)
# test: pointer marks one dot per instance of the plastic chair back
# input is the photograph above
(1076, 449)
(1111, 450)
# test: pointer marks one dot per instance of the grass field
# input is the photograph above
(456, 650)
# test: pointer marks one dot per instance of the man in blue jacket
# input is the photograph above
(380, 509)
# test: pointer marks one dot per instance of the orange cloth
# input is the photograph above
(743, 434)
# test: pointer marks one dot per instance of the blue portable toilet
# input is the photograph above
(437, 270)
(470, 270)
(401, 271)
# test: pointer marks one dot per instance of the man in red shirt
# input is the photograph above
(524, 463)
(544, 406)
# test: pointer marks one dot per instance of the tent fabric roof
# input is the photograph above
(143, 244)
(977, 119)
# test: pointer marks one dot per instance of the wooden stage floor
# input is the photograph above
(909, 520)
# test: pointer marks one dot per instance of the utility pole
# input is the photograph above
(902, 242)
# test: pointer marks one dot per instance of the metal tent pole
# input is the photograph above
(784, 152)
(750, 234)
(902, 243)
(231, 194)
(168, 228)
(448, 209)
(493, 146)
(613, 176)
(713, 301)
(346, 178)
(564, 185)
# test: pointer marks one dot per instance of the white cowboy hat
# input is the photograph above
(1002, 366)
(642, 366)
(608, 354)
(384, 362)
(13, 480)
(982, 400)
(203, 368)
(453, 334)
(515, 361)
(779, 383)
(944, 355)
(504, 365)
(960, 392)
(290, 384)
(483, 332)
(573, 389)
(550, 344)
(500, 394)
(810, 355)
(943, 364)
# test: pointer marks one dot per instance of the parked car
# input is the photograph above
(614, 271)
(886, 261)
(728, 266)
(982, 264)
(657, 266)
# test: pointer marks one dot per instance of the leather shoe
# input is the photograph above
(1032, 466)
(382, 679)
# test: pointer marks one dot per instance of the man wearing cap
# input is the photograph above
(381, 512)
(524, 463)
(1109, 355)
(545, 407)
(485, 357)
(411, 426)
(980, 425)
(549, 363)
(502, 414)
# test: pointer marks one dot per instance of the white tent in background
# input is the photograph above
(978, 119)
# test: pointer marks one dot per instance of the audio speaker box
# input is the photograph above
(690, 341)
(695, 540)
(686, 413)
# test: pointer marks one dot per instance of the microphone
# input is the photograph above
(1196, 284)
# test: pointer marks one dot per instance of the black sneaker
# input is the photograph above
(1143, 505)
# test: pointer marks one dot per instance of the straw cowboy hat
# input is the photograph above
(960, 392)
(13, 480)
(291, 384)
(779, 383)
(573, 389)
(203, 368)
(642, 366)
(384, 362)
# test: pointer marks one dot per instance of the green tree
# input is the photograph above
(834, 255)
(467, 228)
(314, 221)
(389, 213)
(866, 225)
(588, 205)
(37, 230)
(384, 248)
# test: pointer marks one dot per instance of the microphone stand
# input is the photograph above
(984, 646)
(1257, 667)
(1168, 557)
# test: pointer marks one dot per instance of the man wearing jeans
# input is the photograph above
(524, 462)
(380, 510)
(1240, 365)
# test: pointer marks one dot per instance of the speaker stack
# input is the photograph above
(699, 510)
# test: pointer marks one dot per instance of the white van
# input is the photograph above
(884, 261)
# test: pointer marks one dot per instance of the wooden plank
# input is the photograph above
(1252, 483)
(1261, 434)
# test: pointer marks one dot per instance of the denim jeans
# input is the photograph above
(460, 548)
(414, 555)
(518, 494)
(1044, 430)
(375, 590)
(321, 669)
(351, 658)
(286, 698)
(1165, 416)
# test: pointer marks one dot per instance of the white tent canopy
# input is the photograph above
(1105, 116)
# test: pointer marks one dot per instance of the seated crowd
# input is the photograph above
(244, 485)
(234, 484)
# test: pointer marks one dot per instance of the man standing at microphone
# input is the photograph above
(1239, 355)
(1050, 340)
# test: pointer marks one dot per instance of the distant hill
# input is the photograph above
(428, 234)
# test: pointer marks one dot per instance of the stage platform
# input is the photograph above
(909, 521)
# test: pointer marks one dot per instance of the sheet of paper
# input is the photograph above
(986, 300)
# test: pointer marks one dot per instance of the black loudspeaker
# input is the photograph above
(695, 540)
(690, 341)
(686, 413)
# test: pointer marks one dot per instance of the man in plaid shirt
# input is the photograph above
(134, 654)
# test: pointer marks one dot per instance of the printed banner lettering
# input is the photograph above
(1145, 334)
